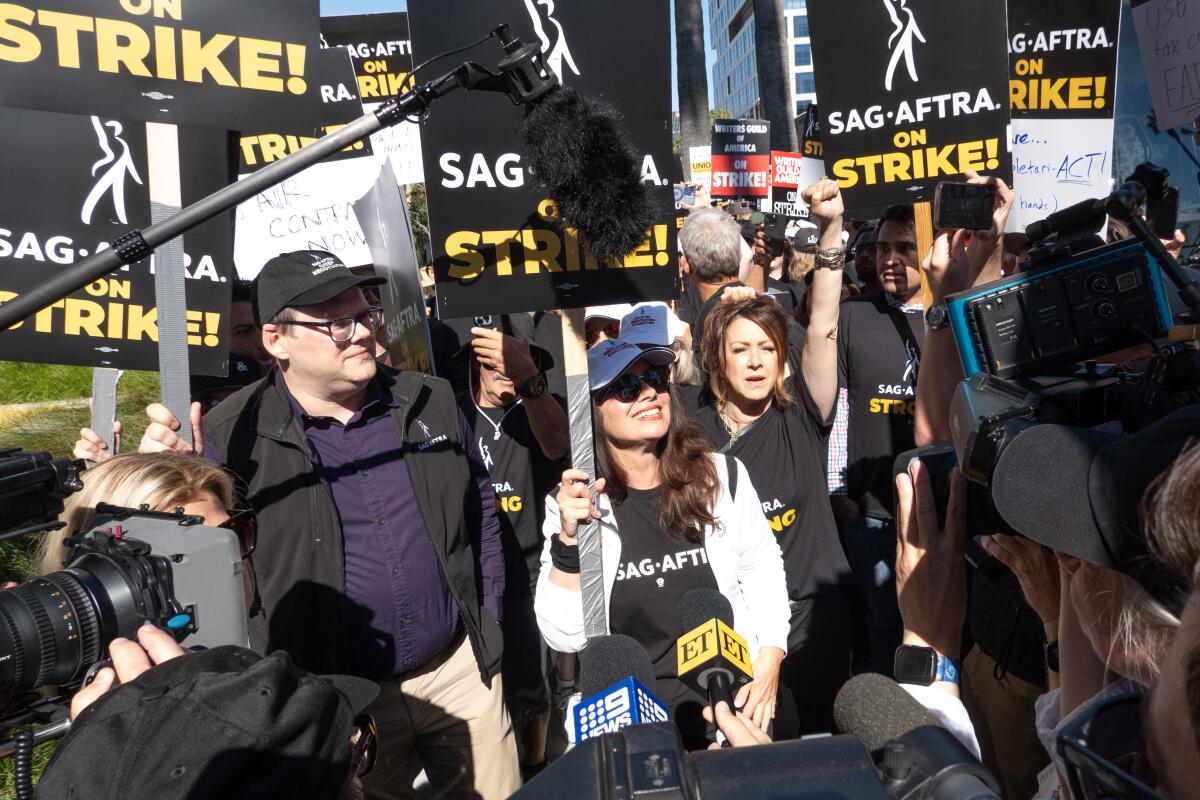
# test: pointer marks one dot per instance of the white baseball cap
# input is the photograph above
(651, 324)
(616, 311)
(608, 359)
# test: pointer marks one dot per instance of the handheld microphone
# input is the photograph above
(916, 756)
(616, 679)
(711, 657)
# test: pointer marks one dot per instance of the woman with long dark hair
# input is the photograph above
(671, 520)
(776, 424)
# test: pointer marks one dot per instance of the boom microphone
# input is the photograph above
(915, 754)
(710, 656)
(617, 680)
(1083, 215)
(577, 148)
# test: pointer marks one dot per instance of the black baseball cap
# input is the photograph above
(243, 371)
(219, 723)
(1079, 491)
(303, 278)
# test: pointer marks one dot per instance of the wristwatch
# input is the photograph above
(1052, 656)
(534, 387)
(924, 665)
(936, 317)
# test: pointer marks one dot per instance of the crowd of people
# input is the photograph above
(419, 533)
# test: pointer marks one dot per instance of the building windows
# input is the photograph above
(803, 55)
(800, 26)
(805, 83)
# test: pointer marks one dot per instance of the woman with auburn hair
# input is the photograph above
(673, 517)
(776, 422)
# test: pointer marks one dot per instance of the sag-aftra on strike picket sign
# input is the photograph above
(923, 97)
(239, 65)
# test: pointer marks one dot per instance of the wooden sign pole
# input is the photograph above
(923, 218)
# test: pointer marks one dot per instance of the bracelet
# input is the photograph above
(564, 557)
(830, 259)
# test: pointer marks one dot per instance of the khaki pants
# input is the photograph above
(457, 727)
(1002, 711)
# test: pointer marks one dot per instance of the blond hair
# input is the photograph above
(1142, 627)
(160, 481)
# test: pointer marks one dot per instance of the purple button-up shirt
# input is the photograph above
(404, 610)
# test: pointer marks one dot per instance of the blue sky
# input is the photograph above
(335, 7)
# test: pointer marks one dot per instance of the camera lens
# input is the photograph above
(53, 627)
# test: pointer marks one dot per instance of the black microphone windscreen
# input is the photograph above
(874, 708)
(700, 605)
(575, 145)
(608, 659)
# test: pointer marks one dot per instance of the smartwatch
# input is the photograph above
(936, 317)
(924, 665)
(534, 387)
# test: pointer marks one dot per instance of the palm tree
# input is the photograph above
(695, 130)
(774, 73)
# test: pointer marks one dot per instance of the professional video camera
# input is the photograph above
(1028, 342)
(131, 566)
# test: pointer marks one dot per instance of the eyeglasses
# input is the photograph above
(1105, 752)
(610, 330)
(628, 386)
(363, 750)
(245, 524)
(342, 330)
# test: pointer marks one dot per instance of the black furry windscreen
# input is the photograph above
(577, 148)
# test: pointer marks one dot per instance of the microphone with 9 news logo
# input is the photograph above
(711, 657)
(616, 679)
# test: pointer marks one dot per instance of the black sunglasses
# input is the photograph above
(611, 330)
(245, 524)
(628, 386)
(1105, 752)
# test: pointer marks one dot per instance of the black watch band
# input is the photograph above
(1052, 656)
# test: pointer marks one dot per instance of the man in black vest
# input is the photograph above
(879, 353)
(378, 549)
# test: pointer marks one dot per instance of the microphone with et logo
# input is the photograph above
(711, 657)
(616, 680)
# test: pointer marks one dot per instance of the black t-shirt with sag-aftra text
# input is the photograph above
(879, 353)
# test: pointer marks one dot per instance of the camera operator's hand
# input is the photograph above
(161, 432)
(945, 265)
(1036, 569)
(90, 447)
(931, 572)
(985, 253)
(739, 730)
(130, 659)
(1175, 244)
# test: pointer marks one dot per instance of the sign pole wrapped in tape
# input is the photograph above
(924, 98)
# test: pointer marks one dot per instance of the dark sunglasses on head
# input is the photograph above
(363, 749)
(628, 386)
(245, 524)
(1105, 752)
(611, 330)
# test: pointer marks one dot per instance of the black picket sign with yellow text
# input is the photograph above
(216, 63)
(923, 97)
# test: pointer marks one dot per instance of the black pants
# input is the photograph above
(817, 663)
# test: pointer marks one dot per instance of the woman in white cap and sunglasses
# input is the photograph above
(672, 519)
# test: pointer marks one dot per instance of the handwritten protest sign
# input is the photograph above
(1168, 32)
(922, 99)
(1062, 85)
(701, 167)
(220, 63)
